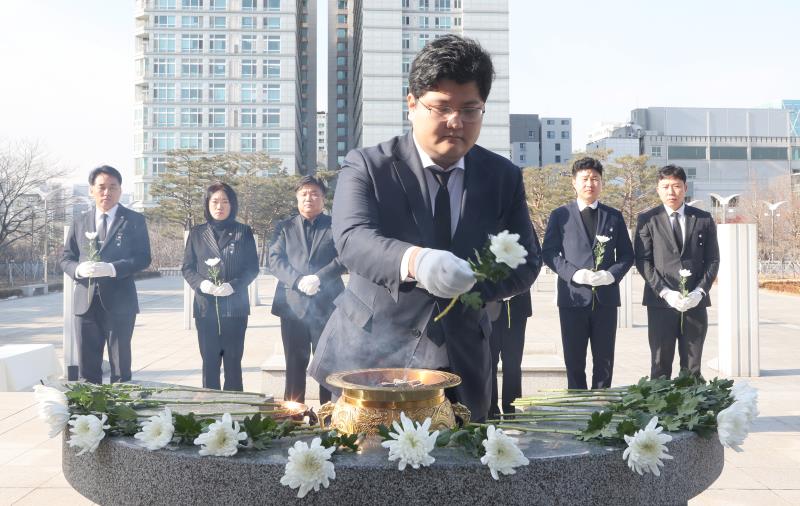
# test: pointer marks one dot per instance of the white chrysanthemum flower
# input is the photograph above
(157, 431)
(221, 439)
(685, 273)
(733, 424)
(507, 249)
(742, 392)
(647, 448)
(90, 235)
(602, 238)
(502, 454)
(309, 467)
(87, 431)
(412, 443)
(52, 408)
(211, 262)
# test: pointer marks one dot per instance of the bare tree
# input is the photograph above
(546, 188)
(630, 186)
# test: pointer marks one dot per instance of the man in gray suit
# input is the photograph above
(669, 238)
(105, 300)
(408, 213)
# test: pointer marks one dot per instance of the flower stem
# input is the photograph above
(447, 309)
(527, 429)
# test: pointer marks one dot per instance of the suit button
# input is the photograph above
(416, 332)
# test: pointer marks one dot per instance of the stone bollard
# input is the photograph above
(70, 336)
(738, 300)
(188, 295)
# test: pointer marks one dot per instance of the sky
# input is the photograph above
(67, 79)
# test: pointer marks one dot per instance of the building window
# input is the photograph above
(190, 21)
(271, 118)
(558, 158)
(728, 153)
(759, 153)
(441, 5)
(216, 43)
(442, 22)
(522, 158)
(249, 117)
(341, 146)
(164, 43)
(531, 134)
(164, 67)
(424, 5)
(341, 19)
(216, 142)
(163, 92)
(341, 33)
(457, 21)
(550, 122)
(565, 122)
(655, 151)
(191, 92)
(191, 43)
(191, 117)
(248, 23)
(191, 4)
(164, 116)
(217, 5)
(565, 134)
(272, 5)
(271, 142)
(406, 41)
(217, 22)
(163, 142)
(248, 43)
(216, 68)
(341, 75)
(406, 64)
(558, 146)
(423, 22)
(551, 134)
(795, 153)
(216, 117)
(216, 92)
(423, 39)
(522, 146)
(191, 140)
(691, 172)
(272, 92)
(248, 68)
(406, 4)
(686, 152)
(406, 20)
(248, 92)
(341, 61)
(191, 67)
(164, 5)
(272, 68)
(164, 21)
(341, 132)
(248, 142)
(249, 5)
(273, 44)
(159, 166)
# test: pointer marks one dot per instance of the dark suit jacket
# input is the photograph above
(658, 259)
(238, 266)
(567, 248)
(127, 247)
(290, 259)
(381, 208)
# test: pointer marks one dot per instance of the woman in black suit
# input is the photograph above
(224, 239)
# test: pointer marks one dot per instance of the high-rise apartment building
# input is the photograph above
(536, 142)
(224, 75)
(371, 46)
(322, 139)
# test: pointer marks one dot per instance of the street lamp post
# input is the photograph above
(773, 208)
(724, 202)
(44, 196)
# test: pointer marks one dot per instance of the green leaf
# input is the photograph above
(187, 428)
(383, 432)
(472, 300)
(443, 439)
(626, 427)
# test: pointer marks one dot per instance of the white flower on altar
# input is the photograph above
(742, 392)
(502, 454)
(90, 235)
(685, 273)
(157, 431)
(647, 448)
(211, 262)
(733, 424)
(53, 408)
(221, 439)
(602, 238)
(87, 432)
(507, 249)
(309, 467)
(412, 443)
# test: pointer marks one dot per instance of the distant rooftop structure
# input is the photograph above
(793, 106)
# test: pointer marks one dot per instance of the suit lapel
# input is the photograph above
(119, 221)
(322, 227)
(410, 173)
(471, 206)
(662, 222)
(211, 242)
(301, 234)
(575, 214)
(602, 217)
(691, 219)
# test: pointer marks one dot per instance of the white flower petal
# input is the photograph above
(733, 425)
(502, 454)
(411, 444)
(157, 431)
(647, 448)
(86, 432)
(685, 273)
(90, 235)
(506, 249)
(211, 262)
(308, 467)
(602, 239)
(221, 438)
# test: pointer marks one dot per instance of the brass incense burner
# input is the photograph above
(373, 397)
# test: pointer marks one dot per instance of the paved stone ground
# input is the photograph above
(767, 472)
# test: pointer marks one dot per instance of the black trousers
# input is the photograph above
(507, 343)
(581, 326)
(98, 328)
(218, 348)
(300, 338)
(664, 328)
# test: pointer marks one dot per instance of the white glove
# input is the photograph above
(223, 290)
(602, 278)
(207, 287)
(675, 300)
(583, 277)
(693, 299)
(85, 269)
(103, 270)
(309, 285)
(442, 273)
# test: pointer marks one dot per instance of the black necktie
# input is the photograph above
(308, 228)
(101, 234)
(441, 213)
(676, 230)
(589, 218)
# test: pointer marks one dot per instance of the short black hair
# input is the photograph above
(232, 199)
(587, 163)
(672, 171)
(104, 169)
(451, 57)
(309, 180)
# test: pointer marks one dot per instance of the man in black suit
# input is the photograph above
(588, 292)
(670, 238)
(408, 213)
(304, 259)
(508, 342)
(105, 300)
